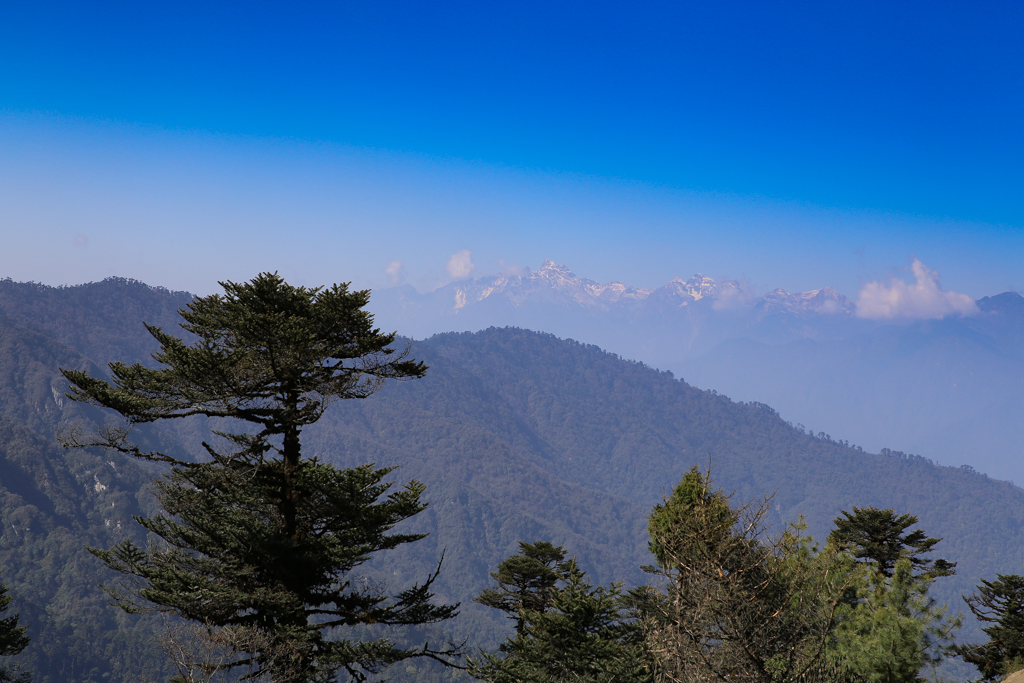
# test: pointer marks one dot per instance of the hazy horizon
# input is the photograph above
(797, 147)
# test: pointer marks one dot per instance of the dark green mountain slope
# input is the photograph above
(508, 420)
(52, 504)
(100, 320)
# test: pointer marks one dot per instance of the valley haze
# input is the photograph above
(905, 366)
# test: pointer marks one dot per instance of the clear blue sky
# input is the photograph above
(791, 144)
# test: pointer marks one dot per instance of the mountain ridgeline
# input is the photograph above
(952, 388)
(518, 435)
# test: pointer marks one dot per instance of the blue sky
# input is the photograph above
(793, 144)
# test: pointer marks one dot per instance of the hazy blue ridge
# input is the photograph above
(952, 388)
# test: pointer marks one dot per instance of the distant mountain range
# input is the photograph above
(951, 389)
(518, 435)
(555, 286)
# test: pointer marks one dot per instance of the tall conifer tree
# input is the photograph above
(526, 581)
(730, 602)
(575, 633)
(889, 628)
(261, 540)
(893, 629)
(1000, 604)
(881, 537)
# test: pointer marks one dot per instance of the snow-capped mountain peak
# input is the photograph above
(554, 282)
(680, 292)
(700, 286)
(554, 287)
(555, 272)
(823, 301)
(550, 280)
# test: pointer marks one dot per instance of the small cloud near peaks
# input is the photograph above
(924, 299)
(81, 240)
(460, 265)
(396, 271)
(511, 269)
(732, 296)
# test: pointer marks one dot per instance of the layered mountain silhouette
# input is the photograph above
(952, 389)
(537, 299)
(518, 435)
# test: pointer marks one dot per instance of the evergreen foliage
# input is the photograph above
(52, 503)
(12, 640)
(692, 505)
(731, 603)
(583, 636)
(260, 540)
(1000, 604)
(877, 536)
(526, 581)
(895, 629)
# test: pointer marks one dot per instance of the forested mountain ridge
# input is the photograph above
(100, 320)
(567, 412)
(950, 387)
(518, 436)
(54, 503)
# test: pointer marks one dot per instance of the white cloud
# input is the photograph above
(396, 270)
(512, 269)
(732, 296)
(829, 307)
(460, 265)
(922, 300)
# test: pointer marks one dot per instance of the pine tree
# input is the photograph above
(12, 640)
(693, 503)
(729, 602)
(1001, 604)
(260, 540)
(894, 629)
(889, 628)
(584, 636)
(526, 581)
(877, 536)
